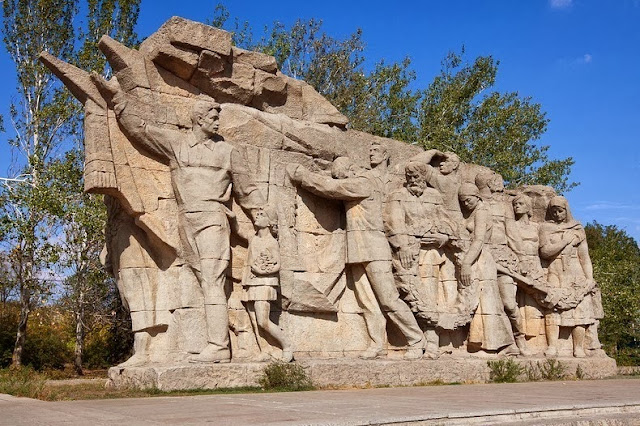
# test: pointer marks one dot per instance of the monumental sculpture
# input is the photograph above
(247, 222)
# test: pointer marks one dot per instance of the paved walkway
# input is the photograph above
(617, 401)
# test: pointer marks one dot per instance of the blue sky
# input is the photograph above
(579, 58)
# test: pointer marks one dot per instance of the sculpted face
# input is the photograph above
(208, 121)
(377, 155)
(558, 214)
(469, 202)
(448, 166)
(496, 184)
(416, 182)
(260, 219)
(520, 207)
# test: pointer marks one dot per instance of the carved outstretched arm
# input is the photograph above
(156, 140)
(427, 156)
(247, 194)
(349, 189)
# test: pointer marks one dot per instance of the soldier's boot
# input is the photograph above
(521, 342)
(217, 351)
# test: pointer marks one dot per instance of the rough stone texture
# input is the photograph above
(332, 373)
(255, 59)
(187, 376)
(387, 254)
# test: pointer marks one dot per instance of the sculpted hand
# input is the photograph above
(465, 274)
(435, 239)
(110, 91)
(575, 241)
(291, 171)
(406, 258)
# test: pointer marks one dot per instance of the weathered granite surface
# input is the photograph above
(248, 222)
(340, 373)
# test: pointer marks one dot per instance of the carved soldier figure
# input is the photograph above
(203, 168)
(418, 228)
(368, 251)
(525, 243)
(445, 178)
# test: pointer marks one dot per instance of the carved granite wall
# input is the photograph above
(273, 121)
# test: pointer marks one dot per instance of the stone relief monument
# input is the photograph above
(247, 222)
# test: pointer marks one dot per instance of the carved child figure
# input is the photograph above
(260, 279)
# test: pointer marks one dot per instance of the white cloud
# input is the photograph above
(585, 59)
(560, 4)
(608, 205)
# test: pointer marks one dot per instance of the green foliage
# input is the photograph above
(579, 372)
(496, 130)
(532, 371)
(505, 370)
(550, 369)
(49, 337)
(45, 218)
(8, 325)
(377, 101)
(22, 381)
(284, 376)
(456, 112)
(44, 350)
(52, 339)
(616, 268)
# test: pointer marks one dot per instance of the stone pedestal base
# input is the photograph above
(332, 373)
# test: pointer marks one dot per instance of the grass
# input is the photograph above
(510, 371)
(23, 381)
(69, 392)
(505, 370)
(550, 369)
(285, 377)
(26, 382)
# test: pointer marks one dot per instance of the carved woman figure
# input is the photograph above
(261, 278)
(563, 244)
(490, 328)
(491, 187)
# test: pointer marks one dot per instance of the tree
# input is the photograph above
(377, 101)
(616, 268)
(83, 216)
(497, 130)
(43, 117)
(86, 284)
(39, 119)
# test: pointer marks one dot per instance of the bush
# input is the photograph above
(504, 371)
(550, 369)
(48, 344)
(285, 376)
